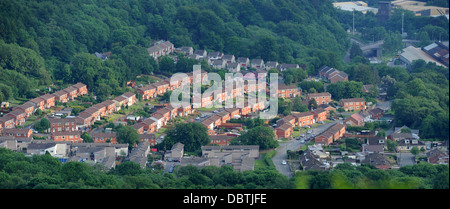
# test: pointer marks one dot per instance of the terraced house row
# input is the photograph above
(19, 114)
(285, 125)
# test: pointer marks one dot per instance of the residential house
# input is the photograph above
(49, 100)
(84, 120)
(161, 87)
(401, 136)
(159, 119)
(243, 62)
(257, 63)
(355, 120)
(100, 137)
(72, 136)
(233, 67)
(436, 156)
(338, 76)
(131, 98)
(284, 131)
(228, 59)
(160, 48)
(71, 92)
(375, 144)
(241, 158)
(319, 114)
(110, 106)
(285, 91)
(176, 153)
(218, 64)
(201, 53)
(18, 115)
(94, 153)
(147, 92)
(43, 147)
(208, 123)
(309, 160)
(17, 133)
(185, 110)
(27, 107)
(271, 65)
(376, 113)
(353, 104)
(39, 103)
(149, 125)
(225, 116)
(101, 108)
(378, 160)
(81, 89)
(7, 122)
(217, 119)
(151, 138)
(304, 118)
(62, 124)
(331, 134)
(284, 66)
(405, 145)
(234, 112)
(321, 98)
(61, 96)
(215, 56)
(287, 119)
(187, 50)
(120, 101)
(221, 140)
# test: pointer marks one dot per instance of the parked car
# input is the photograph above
(284, 162)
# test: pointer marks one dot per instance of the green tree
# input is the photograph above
(192, 135)
(127, 135)
(260, 135)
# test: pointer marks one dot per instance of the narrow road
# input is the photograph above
(294, 145)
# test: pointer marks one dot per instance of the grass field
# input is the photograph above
(266, 160)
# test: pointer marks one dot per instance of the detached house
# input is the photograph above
(284, 131)
(285, 66)
(257, 63)
(201, 53)
(228, 59)
(218, 64)
(355, 120)
(243, 62)
(215, 55)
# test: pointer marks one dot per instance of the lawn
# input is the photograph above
(266, 160)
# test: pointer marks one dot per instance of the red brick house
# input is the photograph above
(285, 91)
(110, 106)
(161, 87)
(355, 120)
(84, 119)
(100, 137)
(61, 96)
(208, 123)
(376, 113)
(185, 111)
(325, 138)
(221, 140)
(245, 110)
(159, 119)
(288, 119)
(225, 116)
(71, 92)
(304, 118)
(217, 120)
(39, 103)
(72, 136)
(148, 138)
(7, 122)
(146, 92)
(233, 112)
(18, 115)
(120, 100)
(284, 131)
(353, 104)
(49, 100)
(149, 125)
(27, 107)
(101, 109)
(139, 128)
(320, 114)
(16, 133)
(62, 124)
(321, 98)
(81, 89)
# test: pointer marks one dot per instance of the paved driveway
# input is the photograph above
(405, 158)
